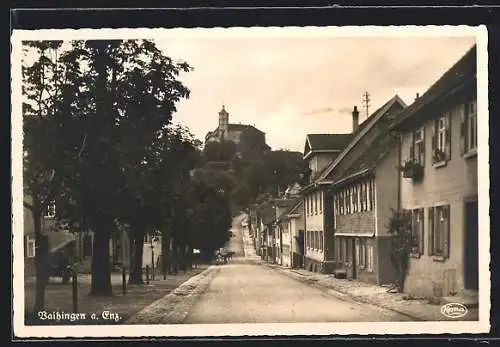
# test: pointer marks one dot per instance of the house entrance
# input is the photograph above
(471, 261)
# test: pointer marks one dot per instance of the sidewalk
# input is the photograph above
(418, 309)
(58, 297)
(248, 248)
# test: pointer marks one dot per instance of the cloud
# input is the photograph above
(269, 82)
(319, 111)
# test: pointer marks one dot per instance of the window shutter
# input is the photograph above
(448, 137)
(446, 211)
(463, 132)
(421, 232)
(433, 138)
(430, 245)
(25, 246)
(422, 148)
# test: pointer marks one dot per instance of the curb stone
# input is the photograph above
(175, 306)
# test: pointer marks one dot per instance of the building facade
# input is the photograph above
(292, 235)
(364, 188)
(439, 183)
(60, 243)
(319, 151)
(240, 134)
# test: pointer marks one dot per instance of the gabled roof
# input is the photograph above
(235, 127)
(242, 127)
(358, 135)
(294, 205)
(377, 150)
(459, 76)
(325, 143)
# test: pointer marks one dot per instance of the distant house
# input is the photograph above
(364, 192)
(319, 151)
(236, 133)
(64, 244)
(266, 218)
(439, 183)
(60, 242)
(280, 225)
(292, 234)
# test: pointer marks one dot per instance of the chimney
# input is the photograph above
(418, 95)
(355, 119)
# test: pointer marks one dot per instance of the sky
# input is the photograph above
(290, 86)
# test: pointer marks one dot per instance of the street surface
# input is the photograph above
(245, 292)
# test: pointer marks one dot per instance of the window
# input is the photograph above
(359, 253)
(321, 243)
(50, 210)
(356, 198)
(441, 133)
(30, 246)
(439, 231)
(468, 128)
(362, 196)
(369, 258)
(316, 203)
(372, 194)
(342, 202)
(417, 231)
(321, 202)
(441, 140)
(418, 149)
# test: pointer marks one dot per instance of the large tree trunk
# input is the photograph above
(136, 270)
(165, 247)
(189, 257)
(41, 257)
(101, 274)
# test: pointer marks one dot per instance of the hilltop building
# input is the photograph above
(241, 134)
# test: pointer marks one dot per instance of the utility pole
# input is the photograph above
(366, 102)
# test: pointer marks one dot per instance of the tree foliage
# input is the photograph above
(117, 96)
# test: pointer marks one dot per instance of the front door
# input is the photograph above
(471, 263)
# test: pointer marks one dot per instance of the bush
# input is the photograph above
(400, 230)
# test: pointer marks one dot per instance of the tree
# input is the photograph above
(46, 145)
(130, 90)
(241, 196)
(400, 230)
(223, 151)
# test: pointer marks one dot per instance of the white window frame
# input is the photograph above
(419, 145)
(30, 246)
(441, 134)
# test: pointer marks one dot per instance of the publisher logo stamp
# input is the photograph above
(454, 310)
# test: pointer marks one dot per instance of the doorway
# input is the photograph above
(471, 246)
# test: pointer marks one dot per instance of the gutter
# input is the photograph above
(354, 175)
